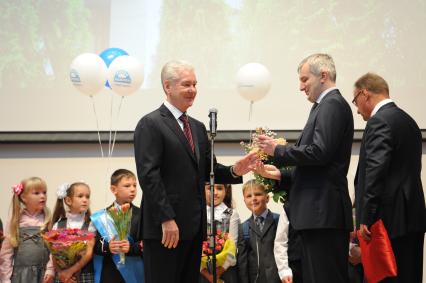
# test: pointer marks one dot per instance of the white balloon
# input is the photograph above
(88, 73)
(253, 81)
(125, 75)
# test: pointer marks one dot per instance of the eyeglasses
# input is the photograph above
(354, 101)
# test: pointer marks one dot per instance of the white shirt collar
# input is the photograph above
(176, 112)
(324, 93)
(264, 214)
(218, 211)
(73, 217)
(380, 105)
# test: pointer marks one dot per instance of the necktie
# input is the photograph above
(260, 221)
(187, 130)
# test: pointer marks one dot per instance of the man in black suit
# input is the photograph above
(172, 153)
(388, 182)
(320, 207)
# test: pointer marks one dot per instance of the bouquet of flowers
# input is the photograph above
(121, 218)
(67, 245)
(225, 247)
(270, 185)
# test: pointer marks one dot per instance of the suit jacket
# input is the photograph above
(172, 176)
(110, 272)
(247, 257)
(388, 182)
(319, 189)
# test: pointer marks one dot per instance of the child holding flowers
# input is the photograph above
(119, 259)
(76, 197)
(226, 222)
(23, 256)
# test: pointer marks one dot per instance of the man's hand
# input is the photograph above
(245, 164)
(365, 232)
(170, 234)
(355, 255)
(287, 279)
(267, 171)
(267, 144)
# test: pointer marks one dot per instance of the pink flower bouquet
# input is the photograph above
(67, 245)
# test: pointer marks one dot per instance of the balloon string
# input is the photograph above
(110, 125)
(118, 115)
(250, 110)
(250, 115)
(97, 125)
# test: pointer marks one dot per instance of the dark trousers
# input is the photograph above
(296, 268)
(408, 252)
(179, 265)
(325, 255)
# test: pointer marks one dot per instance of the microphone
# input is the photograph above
(213, 121)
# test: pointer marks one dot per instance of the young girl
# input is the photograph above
(23, 256)
(77, 198)
(227, 220)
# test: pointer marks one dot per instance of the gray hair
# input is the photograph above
(318, 63)
(171, 69)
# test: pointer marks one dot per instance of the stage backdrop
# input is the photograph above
(39, 39)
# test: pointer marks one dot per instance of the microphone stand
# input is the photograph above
(212, 222)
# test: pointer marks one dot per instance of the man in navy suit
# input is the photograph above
(320, 207)
(388, 182)
(172, 154)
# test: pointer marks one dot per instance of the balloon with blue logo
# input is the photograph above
(125, 75)
(88, 73)
(109, 55)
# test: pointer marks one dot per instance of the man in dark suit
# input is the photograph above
(172, 153)
(320, 207)
(388, 184)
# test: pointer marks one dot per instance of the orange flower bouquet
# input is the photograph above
(121, 218)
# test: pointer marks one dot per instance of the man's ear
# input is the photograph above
(166, 86)
(324, 76)
(267, 198)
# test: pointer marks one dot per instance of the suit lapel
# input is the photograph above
(171, 122)
(312, 114)
(268, 223)
(254, 227)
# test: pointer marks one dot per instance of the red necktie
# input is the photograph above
(187, 130)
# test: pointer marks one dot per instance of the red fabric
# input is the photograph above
(377, 255)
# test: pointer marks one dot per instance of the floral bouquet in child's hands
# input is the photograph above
(121, 218)
(225, 247)
(278, 196)
(67, 245)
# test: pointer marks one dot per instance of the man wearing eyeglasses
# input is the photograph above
(388, 183)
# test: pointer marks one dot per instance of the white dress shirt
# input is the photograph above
(281, 246)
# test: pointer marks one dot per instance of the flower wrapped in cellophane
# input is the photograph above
(252, 146)
(67, 245)
(225, 250)
(121, 218)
